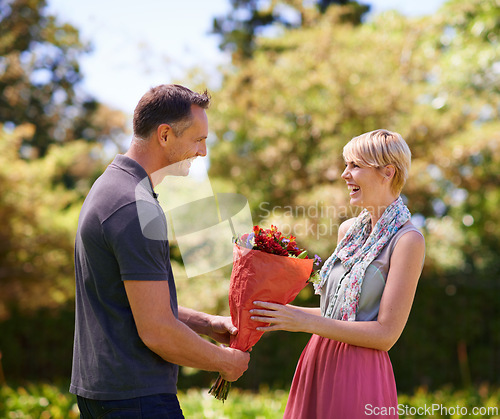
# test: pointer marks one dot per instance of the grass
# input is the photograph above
(49, 401)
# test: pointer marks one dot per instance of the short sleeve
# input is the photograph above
(140, 254)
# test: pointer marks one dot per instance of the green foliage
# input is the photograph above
(265, 404)
(241, 27)
(47, 160)
(283, 118)
(37, 345)
(292, 109)
(51, 401)
(238, 34)
(448, 403)
(37, 401)
(447, 339)
(40, 77)
(39, 207)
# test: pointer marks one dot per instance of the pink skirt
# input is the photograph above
(335, 380)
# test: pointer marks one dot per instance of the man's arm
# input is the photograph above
(173, 340)
(218, 328)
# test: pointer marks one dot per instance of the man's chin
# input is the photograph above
(179, 169)
(183, 167)
(183, 172)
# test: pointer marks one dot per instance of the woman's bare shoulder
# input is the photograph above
(344, 227)
(412, 238)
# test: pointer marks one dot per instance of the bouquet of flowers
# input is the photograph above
(267, 266)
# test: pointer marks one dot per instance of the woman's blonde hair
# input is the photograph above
(378, 149)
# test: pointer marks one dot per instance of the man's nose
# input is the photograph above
(202, 149)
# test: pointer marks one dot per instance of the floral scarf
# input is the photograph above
(360, 247)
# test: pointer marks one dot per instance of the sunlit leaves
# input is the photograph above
(39, 207)
(40, 75)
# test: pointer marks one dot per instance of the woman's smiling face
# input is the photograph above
(366, 184)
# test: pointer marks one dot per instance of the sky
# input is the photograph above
(139, 44)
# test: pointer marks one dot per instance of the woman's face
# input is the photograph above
(367, 185)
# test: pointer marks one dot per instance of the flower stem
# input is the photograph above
(220, 389)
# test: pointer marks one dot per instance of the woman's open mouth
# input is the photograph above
(354, 189)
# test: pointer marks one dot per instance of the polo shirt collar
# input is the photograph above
(130, 166)
(135, 169)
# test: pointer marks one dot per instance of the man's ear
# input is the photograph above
(163, 132)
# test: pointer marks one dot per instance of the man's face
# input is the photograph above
(181, 150)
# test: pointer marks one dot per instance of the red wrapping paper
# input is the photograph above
(261, 276)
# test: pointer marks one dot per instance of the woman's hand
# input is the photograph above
(280, 317)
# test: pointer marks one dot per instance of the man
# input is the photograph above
(130, 335)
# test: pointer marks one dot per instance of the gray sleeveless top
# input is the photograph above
(372, 287)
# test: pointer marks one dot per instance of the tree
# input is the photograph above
(305, 94)
(294, 105)
(248, 19)
(462, 176)
(39, 217)
(39, 81)
(49, 157)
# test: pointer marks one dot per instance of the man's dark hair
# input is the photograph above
(167, 104)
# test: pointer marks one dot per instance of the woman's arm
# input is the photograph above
(395, 305)
(316, 311)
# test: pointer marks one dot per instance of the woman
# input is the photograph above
(367, 288)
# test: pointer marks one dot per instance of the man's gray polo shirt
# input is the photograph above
(110, 361)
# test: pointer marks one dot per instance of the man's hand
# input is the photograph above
(221, 328)
(238, 364)
(177, 340)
